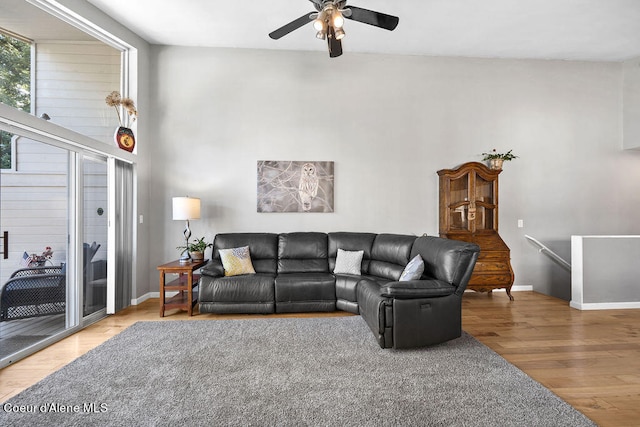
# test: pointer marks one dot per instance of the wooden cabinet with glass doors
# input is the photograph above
(469, 212)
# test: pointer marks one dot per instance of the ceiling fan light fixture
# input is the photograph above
(320, 23)
(328, 22)
(337, 19)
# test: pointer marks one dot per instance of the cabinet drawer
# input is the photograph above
(490, 279)
(493, 256)
(491, 266)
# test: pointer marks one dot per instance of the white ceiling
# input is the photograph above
(603, 30)
(600, 30)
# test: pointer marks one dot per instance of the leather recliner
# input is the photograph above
(241, 294)
(421, 312)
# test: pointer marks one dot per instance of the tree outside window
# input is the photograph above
(15, 85)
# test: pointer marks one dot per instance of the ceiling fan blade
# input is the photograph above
(291, 26)
(377, 19)
(335, 45)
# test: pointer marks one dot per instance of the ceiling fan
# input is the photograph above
(328, 21)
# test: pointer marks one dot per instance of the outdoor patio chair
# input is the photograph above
(33, 292)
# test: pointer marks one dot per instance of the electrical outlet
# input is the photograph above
(520, 223)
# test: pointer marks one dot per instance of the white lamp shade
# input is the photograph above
(186, 208)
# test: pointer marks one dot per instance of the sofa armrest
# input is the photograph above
(213, 268)
(449, 260)
(417, 289)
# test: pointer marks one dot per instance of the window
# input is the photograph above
(15, 87)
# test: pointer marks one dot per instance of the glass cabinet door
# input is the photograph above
(459, 203)
(484, 190)
(484, 218)
(485, 204)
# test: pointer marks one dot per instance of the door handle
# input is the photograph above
(5, 245)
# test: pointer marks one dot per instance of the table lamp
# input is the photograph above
(186, 208)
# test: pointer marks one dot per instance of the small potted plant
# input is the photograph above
(496, 159)
(196, 248)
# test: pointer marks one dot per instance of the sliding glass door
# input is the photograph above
(55, 211)
(95, 230)
(36, 300)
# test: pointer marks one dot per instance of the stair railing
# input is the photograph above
(551, 254)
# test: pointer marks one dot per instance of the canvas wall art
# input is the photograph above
(295, 186)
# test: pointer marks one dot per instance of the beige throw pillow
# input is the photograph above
(236, 261)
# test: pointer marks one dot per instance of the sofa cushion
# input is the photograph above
(262, 246)
(302, 253)
(351, 242)
(237, 289)
(390, 254)
(346, 285)
(348, 262)
(305, 292)
(237, 294)
(236, 261)
(413, 270)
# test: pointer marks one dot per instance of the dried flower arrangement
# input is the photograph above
(114, 99)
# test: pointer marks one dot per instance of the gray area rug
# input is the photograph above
(322, 371)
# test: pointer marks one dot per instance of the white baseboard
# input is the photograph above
(521, 288)
(604, 305)
(143, 298)
(148, 295)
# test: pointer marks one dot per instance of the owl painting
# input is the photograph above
(295, 186)
(308, 186)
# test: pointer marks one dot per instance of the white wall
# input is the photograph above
(631, 103)
(389, 123)
(605, 272)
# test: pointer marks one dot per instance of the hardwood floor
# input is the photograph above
(588, 358)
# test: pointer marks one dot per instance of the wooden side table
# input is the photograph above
(186, 298)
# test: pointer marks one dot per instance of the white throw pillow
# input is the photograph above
(348, 262)
(413, 270)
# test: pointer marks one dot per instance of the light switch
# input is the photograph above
(520, 223)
